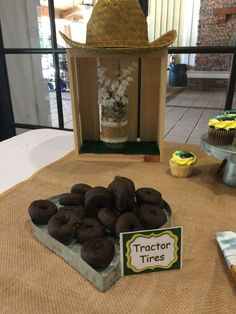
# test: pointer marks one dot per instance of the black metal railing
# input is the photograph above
(232, 83)
(6, 111)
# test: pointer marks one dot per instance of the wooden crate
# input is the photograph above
(146, 94)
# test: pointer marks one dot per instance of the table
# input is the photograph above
(35, 280)
(222, 152)
(21, 156)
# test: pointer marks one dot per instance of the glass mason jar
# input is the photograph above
(114, 124)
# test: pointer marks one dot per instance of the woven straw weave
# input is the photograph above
(119, 26)
(117, 23)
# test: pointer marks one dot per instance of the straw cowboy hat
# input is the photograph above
(119, 26)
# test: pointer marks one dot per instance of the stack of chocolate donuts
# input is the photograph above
(92, 215)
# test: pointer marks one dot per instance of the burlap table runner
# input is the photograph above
(35, 280)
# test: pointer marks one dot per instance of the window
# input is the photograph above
(34, 89)
(35, 65)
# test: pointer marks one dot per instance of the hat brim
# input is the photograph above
(162, 42)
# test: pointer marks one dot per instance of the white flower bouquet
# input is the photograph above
(112, 95)
(113, 101)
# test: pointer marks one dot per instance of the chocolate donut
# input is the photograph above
(62, 226)
(151, 216)
(135, 210)
(108, 219)
(98, 252)
(80, 188)
(123, 191)
(162, 204)
(95, 199)
(71, 199)
(79, 209)
(41, 211)
(89, 229)
(127, 222)
(148, 196)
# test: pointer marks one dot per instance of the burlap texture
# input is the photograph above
(114, 132)
(35, 280)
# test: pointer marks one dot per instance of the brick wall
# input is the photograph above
(210, 33)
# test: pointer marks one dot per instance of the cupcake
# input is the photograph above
(231, 111)
(222, 129)
(181, 164)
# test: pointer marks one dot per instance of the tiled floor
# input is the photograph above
(187, 112)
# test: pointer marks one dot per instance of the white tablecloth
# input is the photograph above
(22, 155)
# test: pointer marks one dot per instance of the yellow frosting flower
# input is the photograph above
(184, 158)
(226, 122)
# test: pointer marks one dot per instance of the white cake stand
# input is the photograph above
(228, 153)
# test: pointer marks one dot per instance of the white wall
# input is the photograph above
(181, 15)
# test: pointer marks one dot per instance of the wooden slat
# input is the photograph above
(150, 84)
(161, 105)
(75, 52)
(79, 53)
(119, 157)
(77, 108)
(73, 77)
(132, 93)
(88, 99)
